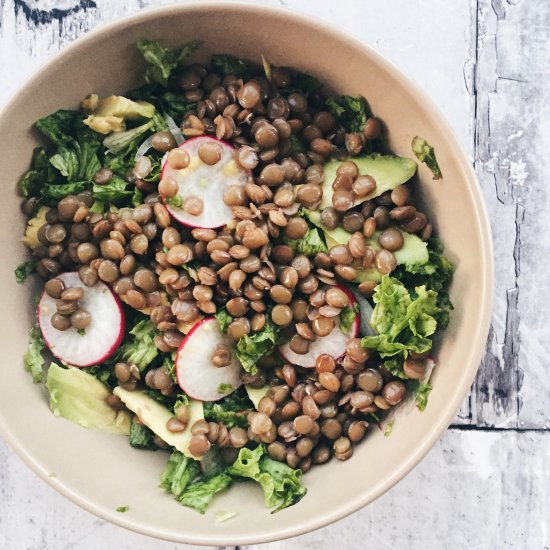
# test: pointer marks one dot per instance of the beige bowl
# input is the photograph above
(101, 472)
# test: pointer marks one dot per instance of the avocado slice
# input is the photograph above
(80, 398)
(389, 171)
(120, 106)
(413, 252)
(154, 416)
(255, 394)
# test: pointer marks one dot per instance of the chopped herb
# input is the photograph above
(24, 270)
(224, 388)
(425, 153)
(421, 395)
(81, 331)
(351, 112)
(347, 317)
(123, 508)
(224, 319)
(388, 428)
(175, 201)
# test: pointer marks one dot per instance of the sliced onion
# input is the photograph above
(144, 147)
(174, 129)
(365, 309)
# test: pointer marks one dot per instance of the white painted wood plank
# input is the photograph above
(475, 490)
(35, 517)
(513, 164)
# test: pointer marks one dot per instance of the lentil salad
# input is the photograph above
(240, 210)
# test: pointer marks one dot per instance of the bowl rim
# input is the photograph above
(481, 218)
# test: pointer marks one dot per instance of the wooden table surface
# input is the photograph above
(486, 484)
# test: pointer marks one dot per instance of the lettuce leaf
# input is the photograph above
(58, 127)
(232, 410)
(280, 483)
(114, 191)
(141, 437)
(32, 359)
(310, 244)
(178, 473)
(229, 64)
(251, 347)
(224, 319)
(435, 275)
(403, 323)
(24, 269)
(425, 153)
(347, 317)
(201, 493)
(351, 112)
(140, 349)
(161, 62)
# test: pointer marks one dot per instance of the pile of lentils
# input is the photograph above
(308, 415)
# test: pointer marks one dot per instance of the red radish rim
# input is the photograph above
(355, 327)
(110, 351)
(165, 162)
(180, 347)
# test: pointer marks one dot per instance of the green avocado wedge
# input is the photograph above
(413, 252)
(80, 398)
(388, 171)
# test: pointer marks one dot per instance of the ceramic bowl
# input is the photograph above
(101, 472)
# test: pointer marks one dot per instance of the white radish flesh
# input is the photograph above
(205, 182)
(334, 344)
(95, 343)
(196, 374)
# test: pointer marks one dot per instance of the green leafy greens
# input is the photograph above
(425, 153)
(161, 62)
(251, 347)
(280, 483)
(32, 359)
(310, 244)
(24, 269)
(141, 437)
(232, 410)
(351, 112)
(403, 322)
(182, 478)
(140, 350)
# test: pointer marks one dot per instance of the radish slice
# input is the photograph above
(206, 182)
(99, 340)
(196, 374)
(333, 344)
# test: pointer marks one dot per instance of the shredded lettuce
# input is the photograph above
(140, 350)
(113, 192)
(201, 493)
(178, 473)
(24, 269)
(403, 323)
(421, 395)
(310, 244)
(425, 153)
(161, 62)
(224, 319)
(32, 359)
(229, 64)
(251, 347)
(141, 437)
(347, 317)
(280, 483)
(435, 275)
(231, 410)
(351, 112)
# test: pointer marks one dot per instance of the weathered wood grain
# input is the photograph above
(511, 160)
(472, 492)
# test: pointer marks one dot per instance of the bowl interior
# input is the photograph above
(102, 472)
